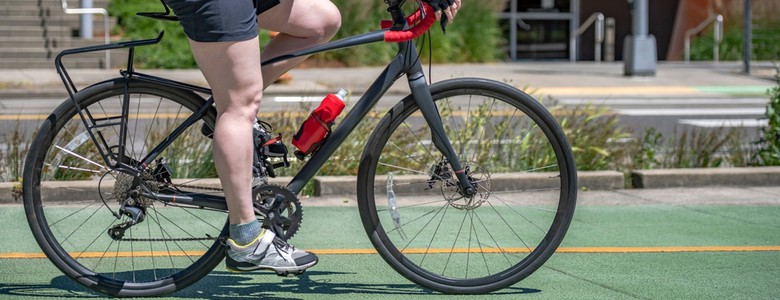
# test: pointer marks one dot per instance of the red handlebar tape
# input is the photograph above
(414, 32)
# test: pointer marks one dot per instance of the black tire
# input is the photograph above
(69, 196)
(521, 164)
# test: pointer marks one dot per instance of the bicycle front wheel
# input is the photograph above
(77, 205)
(517, 157)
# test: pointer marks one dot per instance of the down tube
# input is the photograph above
(361, 109)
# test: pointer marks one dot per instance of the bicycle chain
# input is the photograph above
(186, 186)
(177, 186)
(186, 239)
(173, 239)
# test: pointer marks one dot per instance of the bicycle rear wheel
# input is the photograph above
(72, 196)
(515, 154)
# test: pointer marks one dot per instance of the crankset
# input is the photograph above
(280, 208)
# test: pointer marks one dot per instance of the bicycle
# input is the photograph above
(449, 212)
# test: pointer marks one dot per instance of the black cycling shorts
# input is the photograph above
(220, 20)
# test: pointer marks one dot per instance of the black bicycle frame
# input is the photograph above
(406, 62)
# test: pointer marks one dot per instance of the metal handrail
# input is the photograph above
(98, 11)
(717, 37)
(598, 19)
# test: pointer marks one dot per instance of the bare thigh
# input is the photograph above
(302, 18)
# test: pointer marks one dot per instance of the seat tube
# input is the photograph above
(423, 98)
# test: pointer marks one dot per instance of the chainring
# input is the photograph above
(286, 218)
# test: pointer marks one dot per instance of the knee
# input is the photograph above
(241, 105)
(329, 20)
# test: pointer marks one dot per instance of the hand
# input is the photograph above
(447, 7)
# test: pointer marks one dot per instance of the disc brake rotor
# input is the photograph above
(480, 179)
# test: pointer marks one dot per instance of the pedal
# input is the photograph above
(288, 274)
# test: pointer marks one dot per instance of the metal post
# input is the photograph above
(718, 36)
(639, 26)
(597, 19)
(747, 44)
(85, 32)
(513, 30)
(609, 40)
(574, 23)
(639, 51)
(599, 37)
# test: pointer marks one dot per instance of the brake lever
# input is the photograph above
(443, 22)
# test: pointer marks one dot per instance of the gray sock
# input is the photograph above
(245, 233)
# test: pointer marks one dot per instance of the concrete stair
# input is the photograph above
(32, 33)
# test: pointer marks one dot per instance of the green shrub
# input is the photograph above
(766, 42)
(698, 148)
(649, 153)
(473, 37)
(769, 152)
(17, 143)
(171, 53)
(593, 134)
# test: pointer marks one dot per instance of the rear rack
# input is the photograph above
(91, 123)
(68, 82)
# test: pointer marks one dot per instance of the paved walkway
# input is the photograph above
(556, 79)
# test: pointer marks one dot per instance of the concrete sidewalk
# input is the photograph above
(586, 80)
(686, 181)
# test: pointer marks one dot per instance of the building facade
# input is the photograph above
(545, 27)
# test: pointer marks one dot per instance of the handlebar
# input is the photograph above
(409, 34)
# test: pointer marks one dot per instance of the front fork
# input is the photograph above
(423, 98)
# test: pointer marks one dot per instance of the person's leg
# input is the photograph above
(223, 38)
(301, 24)
(232, 69)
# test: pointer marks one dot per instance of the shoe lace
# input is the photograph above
(281, 245)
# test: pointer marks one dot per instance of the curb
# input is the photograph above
(591, 180)
(588, 180)
(677, 178)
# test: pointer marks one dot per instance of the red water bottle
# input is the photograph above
(313, 131)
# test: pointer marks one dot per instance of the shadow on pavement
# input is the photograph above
(225, 285)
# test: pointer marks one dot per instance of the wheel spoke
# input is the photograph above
(146, 258)
(102, 167)
(518, 170)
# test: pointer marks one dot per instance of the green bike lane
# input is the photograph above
(688, 249)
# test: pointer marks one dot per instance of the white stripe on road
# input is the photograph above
(665, 102)
(691, 111)
(297, 99)
(717, 123)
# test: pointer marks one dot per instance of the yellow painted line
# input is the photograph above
(667, 249)
(681, 249)
(564, 250)
(27, 117)
(106, 255)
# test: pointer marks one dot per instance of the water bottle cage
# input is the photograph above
(271, 147)
(316, 146)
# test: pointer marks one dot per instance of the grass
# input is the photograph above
(12, 157)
